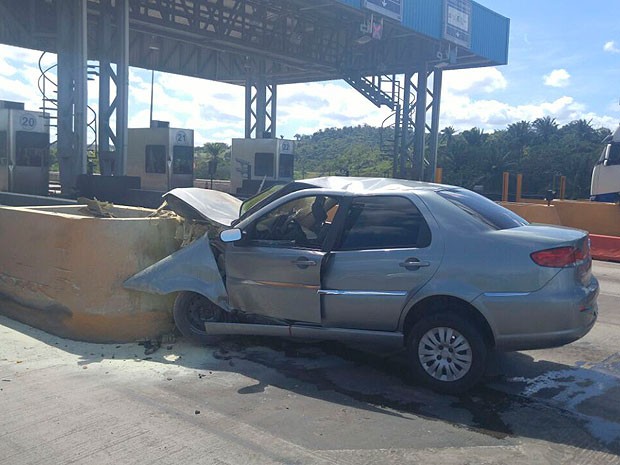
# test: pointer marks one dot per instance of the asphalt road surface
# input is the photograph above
(266, 401)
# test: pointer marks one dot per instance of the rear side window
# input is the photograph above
(483, 209)
(386, 222)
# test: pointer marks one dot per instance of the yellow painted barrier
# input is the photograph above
(535, 213)
(594, 217)
(63, 271)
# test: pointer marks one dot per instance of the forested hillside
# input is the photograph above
(541, 150)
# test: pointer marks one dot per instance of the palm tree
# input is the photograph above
(474, 136)
(446, 135)
(582, 130)
(545, 128)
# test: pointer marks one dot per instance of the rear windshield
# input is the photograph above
(483, 209)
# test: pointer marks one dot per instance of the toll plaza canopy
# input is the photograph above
(377, 46)
(286, 41)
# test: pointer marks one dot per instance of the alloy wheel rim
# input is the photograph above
(445, 354)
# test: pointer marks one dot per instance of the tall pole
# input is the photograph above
(122, 86)
(420, 125)
(404, 125)
(434, 141)
(151, 109)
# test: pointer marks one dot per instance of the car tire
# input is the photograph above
(447, 353)
(191, 311)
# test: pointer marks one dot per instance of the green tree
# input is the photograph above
(218, 155)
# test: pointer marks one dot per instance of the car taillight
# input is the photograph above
(559, 257)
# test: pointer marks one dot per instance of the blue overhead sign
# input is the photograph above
(389, 8)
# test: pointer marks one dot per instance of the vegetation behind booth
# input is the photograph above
(541, 150)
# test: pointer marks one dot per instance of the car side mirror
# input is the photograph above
(231, 235)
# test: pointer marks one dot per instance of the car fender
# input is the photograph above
(192, 268)
(440, 287)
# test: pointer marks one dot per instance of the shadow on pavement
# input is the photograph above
(545, 405)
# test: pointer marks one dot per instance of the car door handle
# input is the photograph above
(302, 262)
(414, 264)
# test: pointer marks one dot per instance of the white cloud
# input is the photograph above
(611, 47)
(215, 111)
(464, 113)
(485, 80)
(557, 78)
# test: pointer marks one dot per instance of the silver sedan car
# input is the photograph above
(439, 270)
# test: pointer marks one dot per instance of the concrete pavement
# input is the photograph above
(263, 401)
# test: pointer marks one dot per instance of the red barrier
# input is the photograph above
(605, 247)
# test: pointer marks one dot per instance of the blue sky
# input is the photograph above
(564, 62)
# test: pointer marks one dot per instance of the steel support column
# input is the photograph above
(260, 107)
(272, 115)
(420, 126)
(122, 86)
(404, 126)
(396, 172)
(113, 41)
(434, 136)
(72, 92)
(105, 75)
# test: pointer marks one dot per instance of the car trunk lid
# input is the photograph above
(557, 247)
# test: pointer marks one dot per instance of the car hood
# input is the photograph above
(198, 204)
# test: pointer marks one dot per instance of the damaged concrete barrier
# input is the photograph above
(62, 270)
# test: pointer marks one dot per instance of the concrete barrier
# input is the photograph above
(63, 271)
(600, 219)
(605, 247)
(594, 217)
(535, 213)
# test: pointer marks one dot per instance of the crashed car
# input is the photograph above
(439, 270)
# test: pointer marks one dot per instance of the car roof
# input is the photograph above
(370, 185)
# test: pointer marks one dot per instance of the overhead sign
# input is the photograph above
(457, 22)
(389, 8)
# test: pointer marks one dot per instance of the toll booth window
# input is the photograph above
(182, 159)
(31, 148)
(4, 153)
(264, 164)
(286, 165)
(614, 154)
(155, 159)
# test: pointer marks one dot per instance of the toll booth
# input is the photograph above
(24, 150)
(260, 163)
(163, 157)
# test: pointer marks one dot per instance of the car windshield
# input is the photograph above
(483, 209)
(249, 203)
(265, 197)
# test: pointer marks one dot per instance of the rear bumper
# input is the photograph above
(550, 317)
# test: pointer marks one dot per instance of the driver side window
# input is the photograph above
(300, 223)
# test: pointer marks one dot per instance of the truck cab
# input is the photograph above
(605, 185)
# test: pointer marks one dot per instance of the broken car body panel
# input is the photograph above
(192, 268)
(193, 203)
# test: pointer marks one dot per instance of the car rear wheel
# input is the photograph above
(447, 353)
(191, 311)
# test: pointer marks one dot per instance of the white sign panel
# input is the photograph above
(457, 22)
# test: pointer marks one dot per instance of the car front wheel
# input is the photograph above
(447, 353)
(191, 312)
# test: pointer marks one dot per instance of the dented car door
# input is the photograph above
(275, 270)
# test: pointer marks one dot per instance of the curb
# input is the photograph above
(605, 247)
